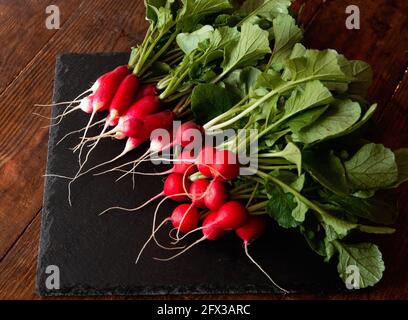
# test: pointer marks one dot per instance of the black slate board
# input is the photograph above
(95, 254)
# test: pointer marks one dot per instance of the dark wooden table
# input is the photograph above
(27, 56)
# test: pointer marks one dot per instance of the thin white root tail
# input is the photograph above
(57, 176)
(149, 239)
(154, 224)
(177, 240)
(83, 138)
(181, 252)
(262, 270)
(63, 102)
(133, 209)
(78, 131)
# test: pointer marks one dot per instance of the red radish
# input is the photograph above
(144, 106)
(216, 195)
(225, 166)
(185, 217)
(197, 192)
(254, 228)
(127, 128)
(105, 87)
(146, 90)
(220, 164)
(211, 230)
(87, 103)
(231, 215)
(185, 163)
(187, 133)
(175, 185)
(123, 98)
(119, 104)
(149, 123)
(205, 159)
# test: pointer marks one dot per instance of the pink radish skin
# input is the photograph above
(149, 123)
(107, 86)
(211, 230)
(128, 129)
(142, 128)
(120, 102)
(146, 90)
(174, 186)
(216, 195)
(205, 159)
(231, 215)
(197, 192)
(253, 229)
(226, 166)
(219, 164)
(123, 98)
(185, 218)
(185, 164)
(144, 106)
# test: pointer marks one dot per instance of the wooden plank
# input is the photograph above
(28, 16)
(23, 142)
(382, 40)
(389, 288)
(18, 268)
(307, 10)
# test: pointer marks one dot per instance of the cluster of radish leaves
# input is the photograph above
(213, 50)
(309, 106)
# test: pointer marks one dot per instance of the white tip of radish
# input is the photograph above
(95, 86)
(119, 135)
(155, 145)
(86, 104)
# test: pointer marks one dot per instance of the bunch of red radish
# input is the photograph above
(206, 201)
(133, 109)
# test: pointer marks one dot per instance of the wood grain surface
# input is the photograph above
(27, 58)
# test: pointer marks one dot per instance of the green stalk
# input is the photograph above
(253, 106)
(252, 194)
(280, 90)
(159, 53)
(227, 113)
(146, 54)
(259, 205)
(323, 214)
(270, 168)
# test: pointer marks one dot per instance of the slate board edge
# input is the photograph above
(43, 233)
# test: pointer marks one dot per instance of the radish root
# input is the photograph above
(262, 270)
